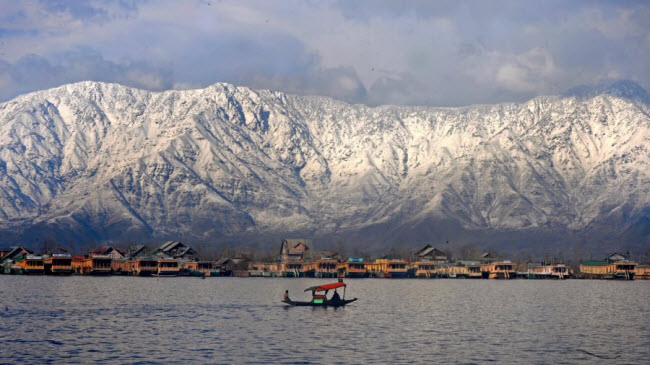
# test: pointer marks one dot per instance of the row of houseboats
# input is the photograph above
(64, 264)
(503, 269)
(297, 259)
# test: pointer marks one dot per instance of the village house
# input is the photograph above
(294, 249)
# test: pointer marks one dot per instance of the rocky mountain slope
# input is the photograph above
(90, 161)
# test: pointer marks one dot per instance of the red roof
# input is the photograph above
(326, 287)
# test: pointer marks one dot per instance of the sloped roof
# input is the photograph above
(100, 250)
(429, 250)
(17, 250)
(103, 250)
(423, 249)
(616, 257)
(169, 245)
(135, 250)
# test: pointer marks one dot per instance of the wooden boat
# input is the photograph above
(320, 300)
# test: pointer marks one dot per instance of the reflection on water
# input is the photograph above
(233, 320)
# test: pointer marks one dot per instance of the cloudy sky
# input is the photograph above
(375, 52)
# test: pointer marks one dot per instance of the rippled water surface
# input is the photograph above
(241, 320)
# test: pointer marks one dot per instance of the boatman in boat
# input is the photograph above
(285, 298)
(335, 298)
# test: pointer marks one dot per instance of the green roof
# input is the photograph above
(594, 263)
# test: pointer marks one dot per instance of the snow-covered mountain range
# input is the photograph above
(91, 161)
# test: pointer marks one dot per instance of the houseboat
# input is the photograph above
(472, 269)
(189, 268)
(32, 265)
(377, 268)
(425, 269)
(145, 266)
(499, 270)
(168, 267)
(326, 268)
(397, 269)
(642, 272)
(99, 265)
(354, 268)
(548, 271)
(293, 269)
(121, 267)
(596, 269)
(58, 264)
(11, 267)
(451, 270)
(265, 269)
(205, 267)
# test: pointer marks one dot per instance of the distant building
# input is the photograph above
(429, 253)
(487, 258)
(16, 252)
(4, 251)
(136, 251)
(176, 250)
(235, 263)
(110, 251)
(293, 249)
(615, 257)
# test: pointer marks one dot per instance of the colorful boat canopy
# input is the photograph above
(325, 287)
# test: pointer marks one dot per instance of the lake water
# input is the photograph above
(241, 320)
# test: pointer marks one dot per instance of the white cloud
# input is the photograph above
(375, 52)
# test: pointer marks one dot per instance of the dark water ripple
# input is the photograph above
(231, 320)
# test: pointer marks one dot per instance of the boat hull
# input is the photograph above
(61, 271)
(340, 303)
(398, 274)
(356, 275)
